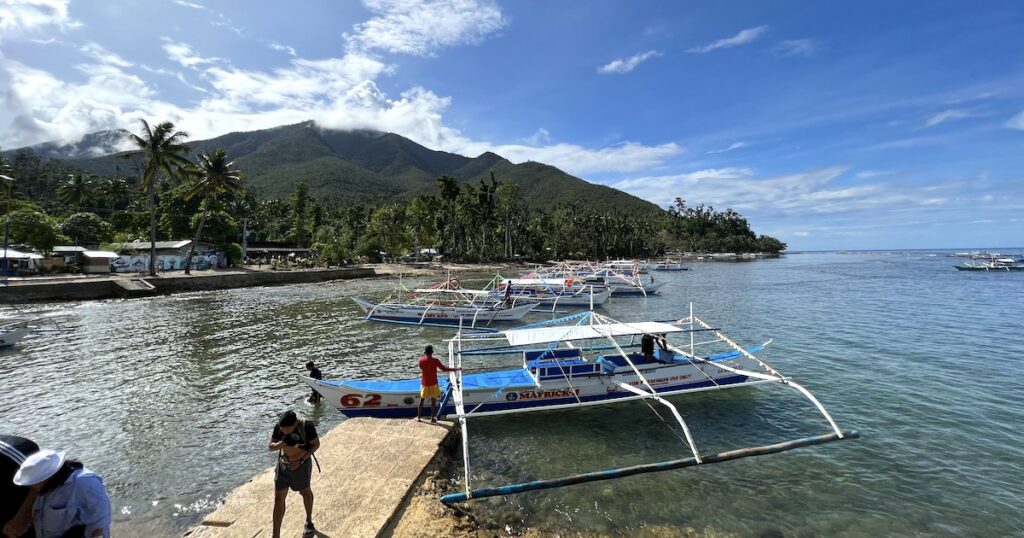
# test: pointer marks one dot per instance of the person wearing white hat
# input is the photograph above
(70, 499)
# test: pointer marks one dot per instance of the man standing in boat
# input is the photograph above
(314, 373)
(429, 388)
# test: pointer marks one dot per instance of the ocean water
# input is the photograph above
(172, 400)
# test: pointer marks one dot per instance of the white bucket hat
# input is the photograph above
(39, 467)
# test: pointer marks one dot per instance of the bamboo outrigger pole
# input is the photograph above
(647, 468)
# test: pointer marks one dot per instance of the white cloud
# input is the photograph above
(103, 55)
(542, 136)
(745, 36)
(1016, 122)
(579, 160)
(184, 55)
(948, 115)
(24, 17)
(801, 233)
(868, 174)
(421, 27)
(734, 146)
(625, 65)
(283, 48)
(338, 93)
(795, 47)
(192, 5)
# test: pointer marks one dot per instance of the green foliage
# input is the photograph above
(387, 230)
(219, 228)
(331, 244)
(233, 251)
(300, 215)
(36, 229)
(87, 229)
(77, 191)
(351, 194)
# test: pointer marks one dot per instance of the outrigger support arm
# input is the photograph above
(653, 394)
(776, 375)
(647, 468)
(455, 378)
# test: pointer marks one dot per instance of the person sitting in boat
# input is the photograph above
(507, 298)
(647, 346)
(428, 382)
(315, 373)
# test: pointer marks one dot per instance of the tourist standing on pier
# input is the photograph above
(428, 382)
(16, 510)
(296, 441)
(70, 499)
(314, 373)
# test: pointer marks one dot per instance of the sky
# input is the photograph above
(830, 125)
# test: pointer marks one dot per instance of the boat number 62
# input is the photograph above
(359, 400)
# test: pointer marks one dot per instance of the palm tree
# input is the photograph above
(214, 175)
(115, 193)
(161, 147)
(77, 190)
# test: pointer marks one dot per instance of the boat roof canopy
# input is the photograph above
(547, 335)
(457, 291)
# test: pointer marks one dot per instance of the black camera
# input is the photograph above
(292, 439)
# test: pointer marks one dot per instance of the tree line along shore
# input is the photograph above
(164, 192)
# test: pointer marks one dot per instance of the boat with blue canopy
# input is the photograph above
(581, 360)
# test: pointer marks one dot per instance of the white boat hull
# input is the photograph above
(533, 389)
(470, 316)
(645, 288)
(11, 337)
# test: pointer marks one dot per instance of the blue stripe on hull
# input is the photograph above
(467, 320)
(410, 412)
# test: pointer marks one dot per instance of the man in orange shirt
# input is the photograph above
(428, 382)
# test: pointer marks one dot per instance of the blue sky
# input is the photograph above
(828, 124)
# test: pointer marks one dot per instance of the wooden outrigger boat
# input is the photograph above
(10, 336)
(550, 292)
(444, 304)
(439, 314)
(994, 262)
(669, 266)
(576, 361)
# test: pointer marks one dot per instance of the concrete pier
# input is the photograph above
(369, 469)
(92, 287)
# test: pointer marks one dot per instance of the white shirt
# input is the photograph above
(80, 500)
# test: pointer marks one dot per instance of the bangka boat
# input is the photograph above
(992, 263)
(433, 313)
(669, 266)
(585, 296)
(621, 285)
(581, 360)
(10, 336)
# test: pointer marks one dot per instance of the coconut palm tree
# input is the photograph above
(214, 175)
(161, 148)
(77, 190)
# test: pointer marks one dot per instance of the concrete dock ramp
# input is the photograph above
(134, 287)
(369, 467)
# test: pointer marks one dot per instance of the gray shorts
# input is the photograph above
(297, 480)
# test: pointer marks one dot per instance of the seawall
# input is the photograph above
(26, 291)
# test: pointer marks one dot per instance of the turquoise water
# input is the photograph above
(172, 399)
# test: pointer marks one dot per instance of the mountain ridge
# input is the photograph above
(348, 167)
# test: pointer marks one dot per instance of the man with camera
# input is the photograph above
(296, 441)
